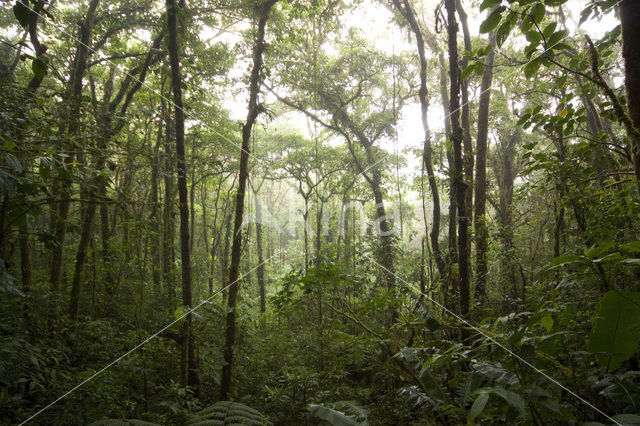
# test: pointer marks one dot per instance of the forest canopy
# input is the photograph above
(314, 212)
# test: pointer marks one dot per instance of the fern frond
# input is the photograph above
(228, 413)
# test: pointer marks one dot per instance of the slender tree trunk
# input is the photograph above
(254, 88)
(305, 218)
(465, 109)
(168, 232)
(260, 268)
(228, 229)
(427, 153)
(34, 84)
(189, 371)
(460, 184)
(559, 209)
(81, 255)
(506, 179)
(215, 236)
(73, 127)
(479, 219)
(153, 216)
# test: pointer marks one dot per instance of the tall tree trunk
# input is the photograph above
(460, 184)
(189, 370)
(407, 12)
(629, 18)
(319, 219)
(479, 219)
(153, 216)
(72, 125)
(34, 84)
(506, 177)
(168, 232)
(466, 124)
(305, 218)
(215, 238)
(561, 187)
(252, 114)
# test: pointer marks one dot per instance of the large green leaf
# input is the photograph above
(616, 330)
(334, 417)
(492, 20)
(478, 405)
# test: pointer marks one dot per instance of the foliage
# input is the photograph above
(324, 335)
(616, 330)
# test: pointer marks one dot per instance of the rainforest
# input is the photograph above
(320, 212)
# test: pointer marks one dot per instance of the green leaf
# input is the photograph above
(549, 29)
(532, 68)
(466, 73)
(538, 12)
(555, 39)
(487, 4)
(616, 330)
(613, 257)
(631, 247)
(492, 20)
(527, 23)
(597, 251)
(13, 161)
(21, 12)
(503, 32)
(478, 405)
(554, 3)
(431, 385)
(547, 322)
(565, 259)
(512, 398)
(627, 419)
(533, 37)
(334, 417)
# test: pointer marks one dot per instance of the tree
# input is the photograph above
(460, 185)
(189, 373)
(262, 11)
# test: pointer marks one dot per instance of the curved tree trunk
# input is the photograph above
(254, 88)
(407, 12)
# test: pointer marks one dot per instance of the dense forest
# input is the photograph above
(307, 212)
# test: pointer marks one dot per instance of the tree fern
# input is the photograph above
(122, 422)
(222, 413)
(228, 413)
